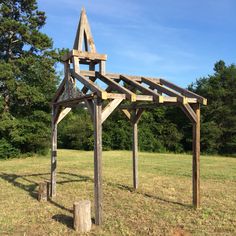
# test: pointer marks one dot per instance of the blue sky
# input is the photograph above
(177, 40)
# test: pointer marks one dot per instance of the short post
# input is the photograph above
(43, 191)
(82, 216)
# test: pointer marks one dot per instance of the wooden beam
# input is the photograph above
(185, 92)
(110, 108)
(76, 67)
(90, 84)
(135, 154)
(68, 102)
(102, 67)
(62, 114)
(127, 113)
(116, 86)
(53, 154)
(98, 160)
(59, 90)
(189, 112)
(156, 97)
(84, 29)
(162, 89)
(116, 96)
(196, 157)
(137, 115)
(84, 56)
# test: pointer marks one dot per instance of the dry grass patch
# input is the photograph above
(161, 205)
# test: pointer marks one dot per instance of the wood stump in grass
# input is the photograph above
(82, 216)
(43, 192)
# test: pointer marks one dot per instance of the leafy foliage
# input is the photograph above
(219, 117)
(27, 77)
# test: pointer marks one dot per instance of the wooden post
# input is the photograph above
(135, 154)
(43, 191)
(196, 158)
(98, 160)
(53, 154)
(82, 216)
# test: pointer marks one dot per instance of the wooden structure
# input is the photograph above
(104, 92)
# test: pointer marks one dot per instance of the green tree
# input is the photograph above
(27, 77)
(219, 116)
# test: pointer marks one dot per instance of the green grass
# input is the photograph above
(160, 206)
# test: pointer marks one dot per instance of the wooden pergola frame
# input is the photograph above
(131, 94)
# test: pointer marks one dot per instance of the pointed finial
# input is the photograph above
(83, 10)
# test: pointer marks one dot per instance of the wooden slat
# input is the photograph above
(147, 91)
(116, 96)
(116, 86)
(90, 84)
(98, 160)
(185, 92)
(162, 89)
(110, 108)
(196, 158)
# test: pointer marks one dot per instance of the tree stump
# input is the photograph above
(43, 192)
(82, 216)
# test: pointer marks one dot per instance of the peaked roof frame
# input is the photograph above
(102, 93)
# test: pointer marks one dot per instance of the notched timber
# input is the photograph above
(146, 91)
(90, 85)
(185, 92)
(116, 86)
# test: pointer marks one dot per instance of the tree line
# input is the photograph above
(28, 80)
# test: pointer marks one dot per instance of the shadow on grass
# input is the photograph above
(31, 187)
(64, 219)
(130, 189)
(26, 183)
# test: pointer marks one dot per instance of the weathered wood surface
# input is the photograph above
(90, 84)
(187, 109)
(135, 155)
(146, 91)
(53, 155)
(110, 108)
(98, 160)
(116, 86)
(165, 90)
(196, 157)
(84, 29)
(43, 191)
(82, 216)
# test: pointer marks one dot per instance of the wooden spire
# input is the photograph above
(84, 35)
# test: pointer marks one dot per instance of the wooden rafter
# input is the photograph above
(156, 97)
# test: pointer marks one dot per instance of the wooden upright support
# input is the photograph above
(196, 157)
(53, 153)
(134, 120)
(98, 160)
(135, 154)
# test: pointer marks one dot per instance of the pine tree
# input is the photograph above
(27, 79)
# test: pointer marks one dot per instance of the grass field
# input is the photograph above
(161, 205)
